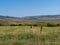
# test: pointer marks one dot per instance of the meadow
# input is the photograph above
(24, 35)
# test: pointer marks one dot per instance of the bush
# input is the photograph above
(1, 24)
(19, 24)
(28, 25)
(31, 25)
(35, 25)
(13, 25)
(51, 25)
(58, 25)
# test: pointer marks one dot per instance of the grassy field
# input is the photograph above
(24, 35)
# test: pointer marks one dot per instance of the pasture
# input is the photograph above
(24, 35)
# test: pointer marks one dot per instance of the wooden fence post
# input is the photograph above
(41, 29)
(30, 26)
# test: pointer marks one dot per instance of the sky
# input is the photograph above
(21, 8)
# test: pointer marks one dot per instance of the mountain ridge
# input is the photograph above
(42, 17)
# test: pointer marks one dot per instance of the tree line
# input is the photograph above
(48, 24)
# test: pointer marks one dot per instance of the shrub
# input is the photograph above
(51, 25)
(1, 24)
(19, 24)
(13, 25)
(58, 25)
(35, 25)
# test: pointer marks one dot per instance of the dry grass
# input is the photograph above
(24, 35)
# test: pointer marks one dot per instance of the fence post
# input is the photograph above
(30, 26)
(41, 29)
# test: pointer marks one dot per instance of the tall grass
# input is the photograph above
(24, 35)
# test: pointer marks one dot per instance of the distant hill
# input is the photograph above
(9, 18)
(36, 18)
(43, 18)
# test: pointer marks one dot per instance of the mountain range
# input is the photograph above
(35, 18)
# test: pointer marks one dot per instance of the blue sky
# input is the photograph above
(21, 8)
